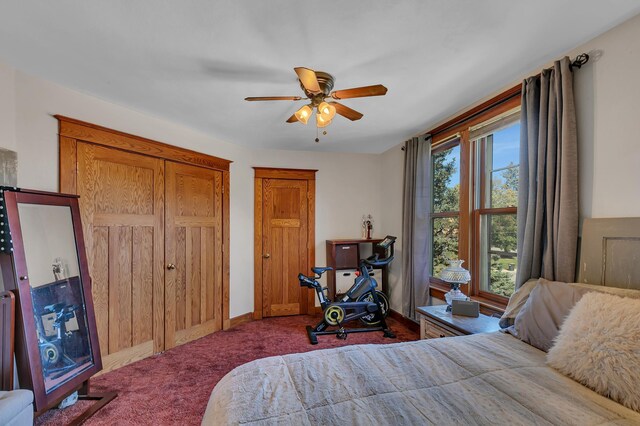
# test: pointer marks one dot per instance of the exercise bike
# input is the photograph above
(361, 302)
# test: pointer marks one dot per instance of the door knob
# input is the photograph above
(171, 266)
(266, 256)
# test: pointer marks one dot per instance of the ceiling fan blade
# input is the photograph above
(347, 112)
(292, 119)
(273, 98)
(308, 79)
(360, 92)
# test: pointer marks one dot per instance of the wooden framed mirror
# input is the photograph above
(44, 262)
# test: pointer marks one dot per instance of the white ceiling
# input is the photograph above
(193, 62)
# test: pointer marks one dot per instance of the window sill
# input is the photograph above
(487, 306)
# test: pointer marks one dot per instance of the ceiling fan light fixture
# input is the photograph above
(321, 122)
(317, 87)
(303, 114)
(327, 111)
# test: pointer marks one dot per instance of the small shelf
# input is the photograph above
(344, 254)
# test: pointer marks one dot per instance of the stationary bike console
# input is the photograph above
(388, 241)
(387, 246)
(362, 301)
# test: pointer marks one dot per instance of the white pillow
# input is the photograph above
(599, 346)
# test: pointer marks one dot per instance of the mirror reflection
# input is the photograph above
(56, 291)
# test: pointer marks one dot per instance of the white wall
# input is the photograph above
(392, 187)
(608, 114)
(345, 182)
(7, 108)
(607, 96)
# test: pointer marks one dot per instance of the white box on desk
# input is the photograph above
(344, 280)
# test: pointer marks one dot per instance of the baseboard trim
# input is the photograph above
(407, 322)
(241, 319)
(126, 356)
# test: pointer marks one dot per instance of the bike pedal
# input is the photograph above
(342, 335)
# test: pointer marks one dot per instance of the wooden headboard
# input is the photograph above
(610, 252)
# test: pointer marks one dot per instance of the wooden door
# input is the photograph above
(193, 303)
(285, 246)
(122, 209)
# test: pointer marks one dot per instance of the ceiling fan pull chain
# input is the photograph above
(317, 135)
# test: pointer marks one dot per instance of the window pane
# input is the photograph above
(445, 189)
(498, 243)
(502, 150)
(506, 146)
(445, 242)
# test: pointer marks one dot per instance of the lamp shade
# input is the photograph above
(455, 273)
(321, 122)
(326, 111)
(303, 114)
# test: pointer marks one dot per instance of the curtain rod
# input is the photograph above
(578, 62)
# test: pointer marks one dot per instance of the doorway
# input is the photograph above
(284, 243)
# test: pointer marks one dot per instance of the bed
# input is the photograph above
(481, 379)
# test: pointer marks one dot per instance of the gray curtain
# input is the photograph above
(416, 232)
(548, 188)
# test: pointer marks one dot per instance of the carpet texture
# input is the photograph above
(174, 387)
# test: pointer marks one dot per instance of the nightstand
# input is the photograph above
(436, 322)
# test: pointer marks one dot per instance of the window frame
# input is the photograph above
(457, 131)
(444, 145)
(480, 187)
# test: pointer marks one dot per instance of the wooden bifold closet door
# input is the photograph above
(155, 228)
(122, 209)
(193, 229)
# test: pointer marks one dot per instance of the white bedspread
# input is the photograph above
(482, 379)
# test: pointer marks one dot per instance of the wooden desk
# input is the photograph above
(436, 322)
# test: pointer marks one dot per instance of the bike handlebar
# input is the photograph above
(374, 261)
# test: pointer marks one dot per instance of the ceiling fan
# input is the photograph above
(317, 86)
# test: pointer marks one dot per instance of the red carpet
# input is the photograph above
(174, 387)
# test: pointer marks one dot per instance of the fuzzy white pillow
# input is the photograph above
(599, 346)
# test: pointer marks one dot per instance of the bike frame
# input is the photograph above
(363, 284)
(359, 302)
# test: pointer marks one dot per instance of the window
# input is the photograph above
(445, 205)
(474, 187)
(496, 200)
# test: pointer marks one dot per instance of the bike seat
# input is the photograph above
(321, 270)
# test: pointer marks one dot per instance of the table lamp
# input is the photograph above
(455, 275)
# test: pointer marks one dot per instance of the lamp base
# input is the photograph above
(454, 294)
